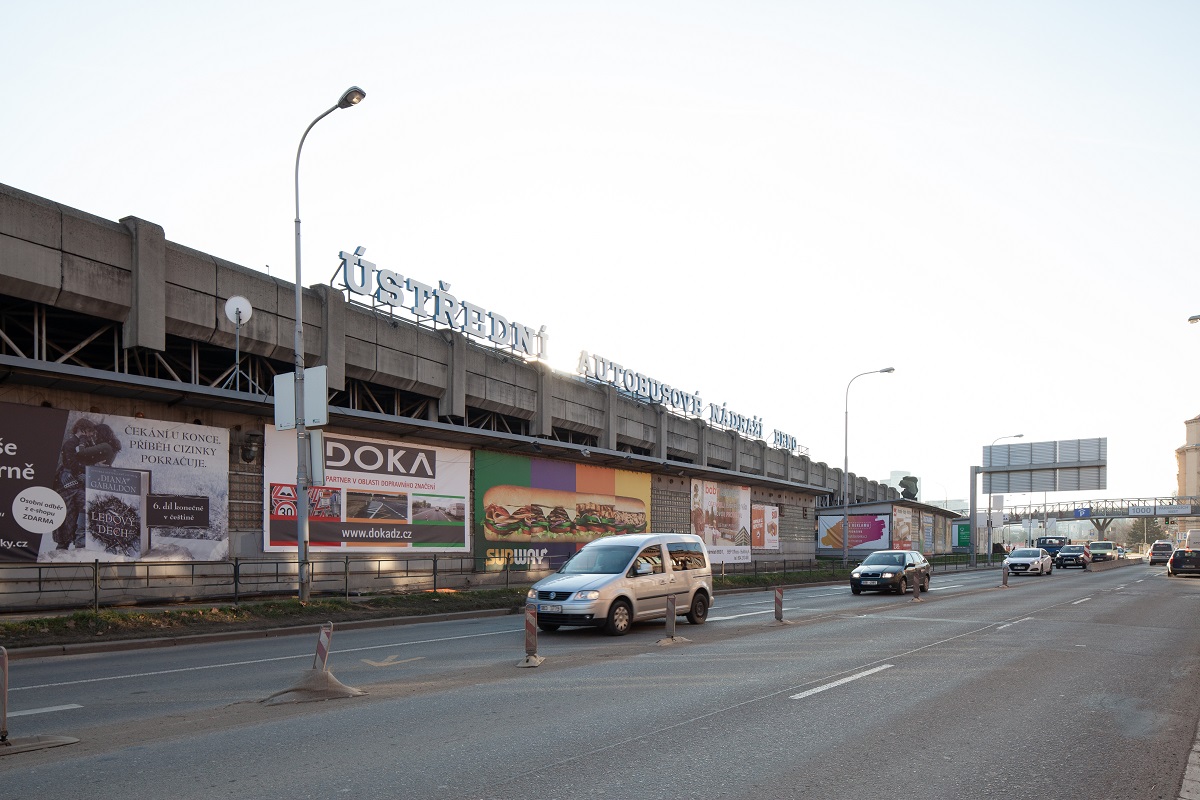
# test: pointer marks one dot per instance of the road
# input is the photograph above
(1063, 686)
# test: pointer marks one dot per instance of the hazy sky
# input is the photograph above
(755, 200)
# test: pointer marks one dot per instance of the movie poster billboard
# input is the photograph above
(378, 496)
(721, 516)
(764, 527)
(82, 486)
(538, 512)
(867, 532)
(903, 521)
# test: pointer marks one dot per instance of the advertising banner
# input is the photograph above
(902, 529)
(927, 532)
(721, 516)
(379, 496)
(78, 486)
(867, 532)
(538, 512)
(764, 527)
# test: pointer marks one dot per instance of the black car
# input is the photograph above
(1072, 555)
(891, 571)
(1184, 562)
(1160, 552)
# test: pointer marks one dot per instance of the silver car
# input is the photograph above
(1029, 561)
(617, 580)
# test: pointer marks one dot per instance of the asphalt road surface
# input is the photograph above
(1073, 685)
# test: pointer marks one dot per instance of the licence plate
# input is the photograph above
(545, 609)
(870, 583)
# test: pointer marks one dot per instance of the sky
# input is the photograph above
(757, 201)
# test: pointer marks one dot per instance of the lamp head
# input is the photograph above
(888, 369)
(351, 97)
(1194, 318)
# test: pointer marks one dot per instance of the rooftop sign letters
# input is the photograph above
(388, 288)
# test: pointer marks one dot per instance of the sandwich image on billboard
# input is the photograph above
(538, 512)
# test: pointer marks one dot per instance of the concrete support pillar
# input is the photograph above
(333, 335)
(453, 402)
(146, 325)
(660, 446)
(608, 438)
(542, 422)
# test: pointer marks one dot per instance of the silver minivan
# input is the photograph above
(617, 580)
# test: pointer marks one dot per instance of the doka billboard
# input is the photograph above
(81, 486)
(378, 496)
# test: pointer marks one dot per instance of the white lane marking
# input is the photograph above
(1084, 600)
(257, 661)
(951, 586)
(46, 710)
(747, 614)
(854, 677)
(1007, 624)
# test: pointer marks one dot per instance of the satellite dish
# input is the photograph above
(238, 309)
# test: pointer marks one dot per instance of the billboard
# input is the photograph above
(764, 527)
(538, 512)
(903, 522)
(82, 486)
(721, 516)
(378, 496)
(867, 532)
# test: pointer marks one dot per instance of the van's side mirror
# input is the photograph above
(643, 568)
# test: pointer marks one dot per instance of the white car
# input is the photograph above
(1029, 561)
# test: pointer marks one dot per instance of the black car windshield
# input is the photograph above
(884, 559)
(1072, 548)
(608, 560)
(1028, 552)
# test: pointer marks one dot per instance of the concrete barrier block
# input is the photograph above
(30, 218)
(97, 239)
(90, 287)
(191, 314)
(191, 269)
(30, 271)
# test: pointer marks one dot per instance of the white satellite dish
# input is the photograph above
(238, 309)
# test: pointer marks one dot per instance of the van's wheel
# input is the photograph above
(548, 627)
(699, 610)
(619, 618)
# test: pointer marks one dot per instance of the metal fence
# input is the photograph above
(98, 584)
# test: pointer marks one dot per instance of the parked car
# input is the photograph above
(891, 571)
(1073, 555)
(1184, 561)
(1104, 551)
(617, 580)
(1160, 552)
(1029, 561)
(1120, 552)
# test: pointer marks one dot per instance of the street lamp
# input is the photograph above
(989, 497)
(846, 469)
(351, 97)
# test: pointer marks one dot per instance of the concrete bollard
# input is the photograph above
(532, 659)
(916, 584)
(1003, 577)
(779, 604)
(671, 616)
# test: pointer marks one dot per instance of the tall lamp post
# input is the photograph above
(351, 97)
(989, 497)
(846, 468)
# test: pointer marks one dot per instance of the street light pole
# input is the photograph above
(351, 97)
(989, 497)
(846, 468)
